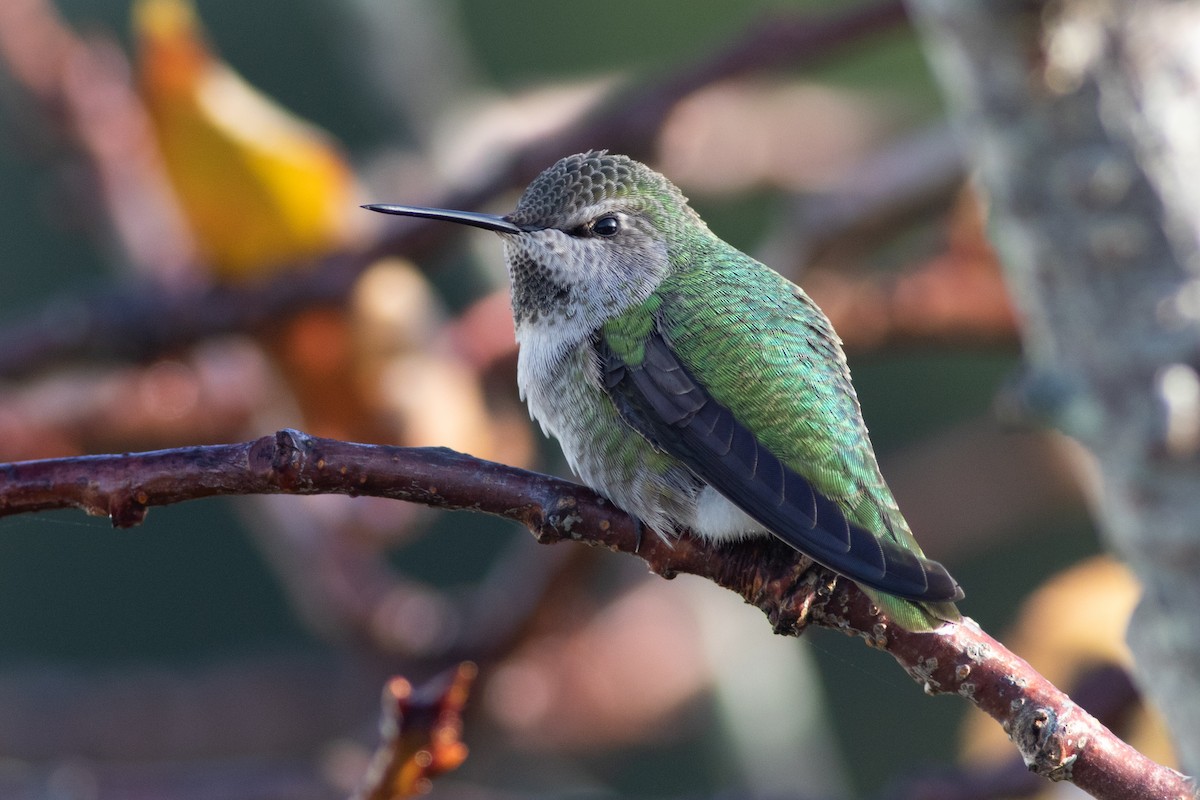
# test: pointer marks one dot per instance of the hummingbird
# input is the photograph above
(692, 385)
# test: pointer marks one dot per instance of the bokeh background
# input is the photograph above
(237, 648)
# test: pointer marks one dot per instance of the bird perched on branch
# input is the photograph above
(695, 387)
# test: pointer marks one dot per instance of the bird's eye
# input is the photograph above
(606, 226)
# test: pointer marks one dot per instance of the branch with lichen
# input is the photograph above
(1056, 738)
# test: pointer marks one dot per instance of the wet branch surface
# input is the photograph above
(1056, 738)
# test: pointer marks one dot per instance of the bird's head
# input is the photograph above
(592, 235)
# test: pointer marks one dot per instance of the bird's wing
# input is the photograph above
(775, 475)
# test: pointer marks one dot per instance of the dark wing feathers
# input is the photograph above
(661, 399)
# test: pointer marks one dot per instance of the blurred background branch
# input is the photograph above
(160, 318)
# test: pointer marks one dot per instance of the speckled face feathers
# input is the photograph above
(567, 278)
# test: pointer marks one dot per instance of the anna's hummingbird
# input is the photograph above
(692, 385)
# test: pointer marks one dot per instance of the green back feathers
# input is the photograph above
(777, 365)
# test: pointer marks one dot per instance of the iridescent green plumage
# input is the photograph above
(774, 361)
(693, 385)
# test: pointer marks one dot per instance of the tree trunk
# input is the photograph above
(1082, 120)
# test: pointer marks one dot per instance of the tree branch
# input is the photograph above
(1056, 738)
(1107, 692)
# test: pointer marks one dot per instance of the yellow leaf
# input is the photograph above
(259, 186)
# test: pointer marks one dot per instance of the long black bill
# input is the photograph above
(489, 222)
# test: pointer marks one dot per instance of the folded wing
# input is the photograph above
(662, 400)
